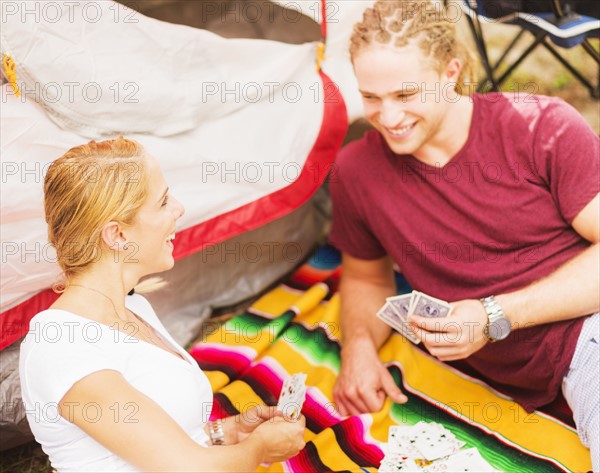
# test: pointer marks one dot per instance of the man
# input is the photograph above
(490, 202)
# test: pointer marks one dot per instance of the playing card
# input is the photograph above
(292, 396)
(429, 447)
(389, 316)
(401, 440)
(427, 306)
(395, 463)
(435, 441)
(413, 298)
(469, 460)
(401, 305)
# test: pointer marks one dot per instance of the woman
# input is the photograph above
(106, 388)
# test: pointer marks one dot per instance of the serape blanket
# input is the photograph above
(292, 330)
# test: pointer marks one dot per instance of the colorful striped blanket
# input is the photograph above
(291, 330)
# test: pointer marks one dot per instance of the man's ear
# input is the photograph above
(453, 69)
(112, 236)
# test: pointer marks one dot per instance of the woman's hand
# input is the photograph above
(282, 438)
(246, 422)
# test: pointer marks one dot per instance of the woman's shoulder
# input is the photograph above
(53, 331)
(52, 321)
(61, 348)
(57, 329)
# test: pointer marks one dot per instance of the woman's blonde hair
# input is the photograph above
(421, 22)
(87, 187)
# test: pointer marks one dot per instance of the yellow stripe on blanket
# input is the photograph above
(277, 301)
(296, 363)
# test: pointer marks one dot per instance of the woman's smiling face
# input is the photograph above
(153, 229)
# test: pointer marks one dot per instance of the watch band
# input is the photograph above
(494, 312)
(215, 430)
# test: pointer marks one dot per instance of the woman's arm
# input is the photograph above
(153, 441)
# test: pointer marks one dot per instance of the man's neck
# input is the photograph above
(451, 136)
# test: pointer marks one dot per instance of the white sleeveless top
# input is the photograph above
(62, 347)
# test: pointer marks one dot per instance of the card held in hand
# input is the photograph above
(390, 317)
(292, 396)
(397, 309)
(427, 306)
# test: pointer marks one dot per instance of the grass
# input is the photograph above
(27, 458)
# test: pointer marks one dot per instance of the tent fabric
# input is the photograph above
(238, 156)
(280, 20)
(340, 16)
(291, 330)
(74, 54)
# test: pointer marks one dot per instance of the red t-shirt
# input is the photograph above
(492, 220)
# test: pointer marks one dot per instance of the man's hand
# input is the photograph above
(454, 337)
(364, 382)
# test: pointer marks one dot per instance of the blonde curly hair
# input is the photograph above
(421, 22)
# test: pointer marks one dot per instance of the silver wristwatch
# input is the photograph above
(498, 326)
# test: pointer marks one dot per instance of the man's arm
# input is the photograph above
(572, 291)
(363, 381)
(569, 292)
(364, 286)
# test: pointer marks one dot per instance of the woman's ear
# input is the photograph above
(113, 237)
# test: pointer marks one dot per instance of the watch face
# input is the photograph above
(499, 329)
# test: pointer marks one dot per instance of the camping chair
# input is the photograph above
(560, 26)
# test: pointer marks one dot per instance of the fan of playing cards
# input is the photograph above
(397, 309)
(429, 447)
(292, 396)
